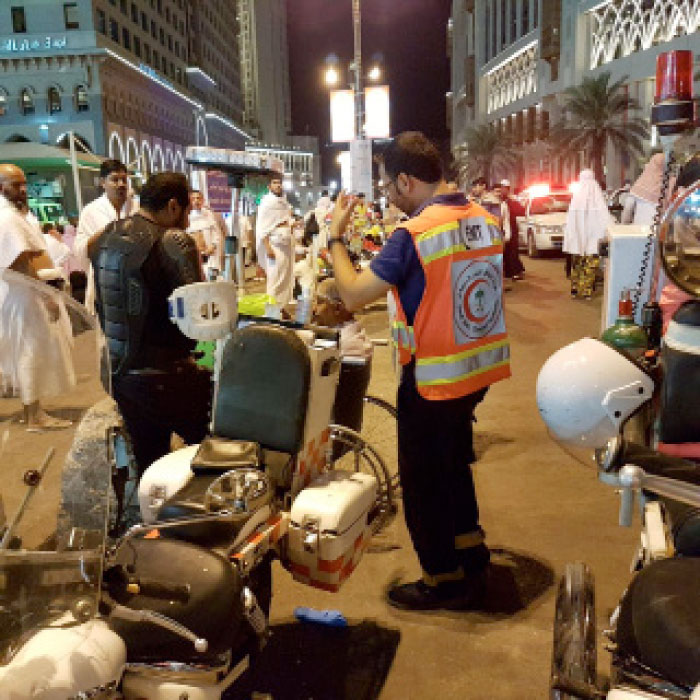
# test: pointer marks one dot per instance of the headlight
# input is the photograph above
(607, 457)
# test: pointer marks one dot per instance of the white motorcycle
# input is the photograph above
(178, 607)
(586, 393)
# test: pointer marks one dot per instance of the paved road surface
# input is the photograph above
(539, 507)
(540, 510)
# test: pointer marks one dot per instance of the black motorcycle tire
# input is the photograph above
(574, 645)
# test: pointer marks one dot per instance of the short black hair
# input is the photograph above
(161, 188)
(48, 226)
(194, 190)
(276, 176)
(324, 193)
(414, 154)
(111, 165)
(479, 181)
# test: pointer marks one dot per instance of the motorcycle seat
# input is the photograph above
(260, 405)
(659, 624)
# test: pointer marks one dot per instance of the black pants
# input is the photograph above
(435, 454)
(154, 406)
(511, 257)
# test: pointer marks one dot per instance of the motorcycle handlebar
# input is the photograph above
(118, 581)
(162, 589)
(659, 464)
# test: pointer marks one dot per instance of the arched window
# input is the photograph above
(81, 99)
(26, 101)
(53, 100)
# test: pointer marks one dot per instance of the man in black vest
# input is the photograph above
(138, 262)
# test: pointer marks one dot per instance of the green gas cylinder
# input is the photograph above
(625, 334)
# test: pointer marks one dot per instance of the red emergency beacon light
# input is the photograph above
(673, 108)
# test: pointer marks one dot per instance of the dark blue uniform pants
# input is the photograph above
(435, 454)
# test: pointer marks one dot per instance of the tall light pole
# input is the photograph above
(359, 95)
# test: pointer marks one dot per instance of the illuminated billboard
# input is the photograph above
(377, 124)
(342, 116)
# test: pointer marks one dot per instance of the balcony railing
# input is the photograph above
(623, 27)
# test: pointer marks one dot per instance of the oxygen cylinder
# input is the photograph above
(625, 334)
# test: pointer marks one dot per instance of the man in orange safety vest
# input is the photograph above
(444, 270)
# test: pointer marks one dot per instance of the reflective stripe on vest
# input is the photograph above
(402, 335)
(450, 238)
(455, 368)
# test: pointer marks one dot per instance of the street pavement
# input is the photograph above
(540, 508)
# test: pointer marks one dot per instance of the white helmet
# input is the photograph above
(587, 390)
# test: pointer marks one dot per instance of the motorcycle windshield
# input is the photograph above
(54, 457)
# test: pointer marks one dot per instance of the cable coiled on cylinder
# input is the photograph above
(653, 232)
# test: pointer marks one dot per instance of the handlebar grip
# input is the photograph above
(626, 507)
(163, 589)
(659, 464)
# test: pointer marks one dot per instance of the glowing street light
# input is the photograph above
(375, 74)
(332, 76)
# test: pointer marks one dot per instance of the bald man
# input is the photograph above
(35, 335)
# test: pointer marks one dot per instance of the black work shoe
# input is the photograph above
(475, 559)
(418, 595)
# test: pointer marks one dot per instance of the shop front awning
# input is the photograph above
(29, 155)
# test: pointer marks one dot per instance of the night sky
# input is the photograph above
(411, 36)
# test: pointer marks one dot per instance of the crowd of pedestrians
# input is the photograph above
(499, 201)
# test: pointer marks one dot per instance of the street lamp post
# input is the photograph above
(359, 95)
(360, 153)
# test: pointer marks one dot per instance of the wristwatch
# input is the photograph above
(335, 239)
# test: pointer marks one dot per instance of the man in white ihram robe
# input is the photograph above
(115, 203)
(35, 332)
(275, 243)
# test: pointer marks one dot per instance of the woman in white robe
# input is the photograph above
(35, 332)
(275, 224)
(587, 222)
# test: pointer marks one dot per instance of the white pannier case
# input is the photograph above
(328, 529)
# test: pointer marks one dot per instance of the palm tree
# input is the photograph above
(484, 151)
(597, 113)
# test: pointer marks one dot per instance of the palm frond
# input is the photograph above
(597, 113)
(484, 151)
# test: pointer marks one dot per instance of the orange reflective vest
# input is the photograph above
(458, 337)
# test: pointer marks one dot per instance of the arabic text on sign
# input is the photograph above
(15, 45)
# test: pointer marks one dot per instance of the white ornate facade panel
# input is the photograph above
(623, 27)
(513, 80)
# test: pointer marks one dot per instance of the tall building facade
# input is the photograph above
(512, 60)
(139, 80)
(267, 110)
(264, 52)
